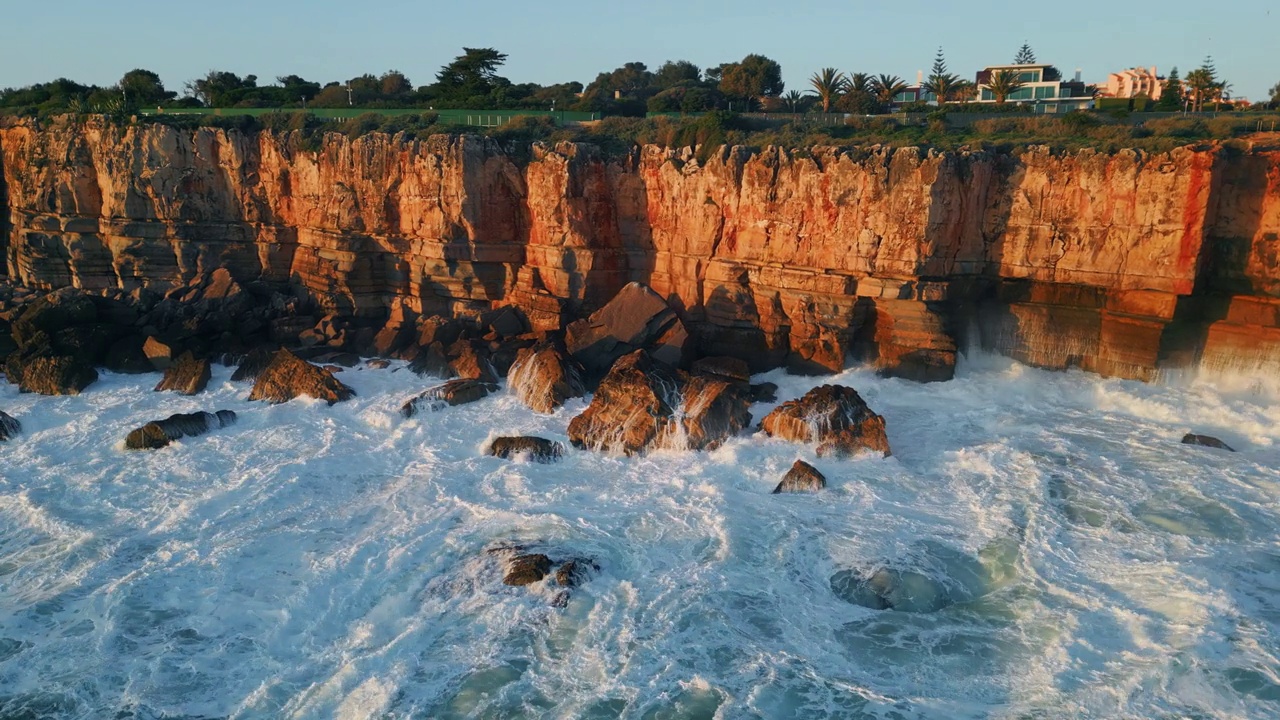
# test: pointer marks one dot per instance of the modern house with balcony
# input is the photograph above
(1042, 87)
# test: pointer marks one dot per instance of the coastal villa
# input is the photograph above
(1133, 82)
(1042, 86)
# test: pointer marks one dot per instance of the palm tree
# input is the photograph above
(1002, 84)
(963, 91)
(827, 84)
(858, 82)
(942, 86)
(1201, 85)
(887, 87)
(792, 99)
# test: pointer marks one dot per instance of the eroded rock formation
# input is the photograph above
(1118, 263)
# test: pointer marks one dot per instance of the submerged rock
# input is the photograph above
(538, 449)
(636, 318)
(8, 426)
(544, 377)
(802, 477)
(573, 573)
(1206, 441)
(937, 577)
(834, 416)
(643, 404)
(526, 569)
(454, 392)
(289, 376)
(187, 375)
(158, 434)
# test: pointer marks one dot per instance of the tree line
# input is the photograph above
(473, 81)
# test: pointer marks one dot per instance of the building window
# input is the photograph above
(1031, 76)
(1046, 92)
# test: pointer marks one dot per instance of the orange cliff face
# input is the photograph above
(1118, 263)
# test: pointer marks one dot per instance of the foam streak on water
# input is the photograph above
(316, 562)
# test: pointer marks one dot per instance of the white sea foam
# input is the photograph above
(315, 561)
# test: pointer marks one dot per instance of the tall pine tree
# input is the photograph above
(1025, 56)
(1171, 94)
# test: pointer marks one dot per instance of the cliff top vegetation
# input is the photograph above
(707, 133)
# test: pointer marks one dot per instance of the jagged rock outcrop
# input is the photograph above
(158, 434)
(535, 448)
(8, 426)
(835, 417)
(187, 376)
(61, 375)
(544, 377)
(1120, 263)
(801, 478)
(643, 404)
(450, 394)
(288, 376)
(635, 319)
(252, 365)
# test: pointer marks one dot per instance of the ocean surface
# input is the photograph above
(1057, 554)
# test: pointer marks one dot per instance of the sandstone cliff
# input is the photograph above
(1116, 263)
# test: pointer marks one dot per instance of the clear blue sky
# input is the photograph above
(549, 41)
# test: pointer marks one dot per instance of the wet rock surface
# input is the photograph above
(160, 433)
(535, 448)
(643, 404)
(544, 377)
(288, 376)
(252, 365)
(801, 478)
(1206, 441)
(834, 416)
(9, 427)
(61, 375)
(186, 376)
(450, 394)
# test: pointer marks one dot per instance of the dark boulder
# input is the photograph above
(834, 416)
(8, 427)
(643, 404)
(468, 359)
(636, 318)
(764, 392)
(544, 377)
(63, 375)
(252, 365)
(158, 434)
(535, 448)
(289, 376)
(726, 368)
(126, 356)
(527, 569)
(1206, 441)
(187, 376)
(454, 392)
(573, 573)
(54, 313)
(802, 477)
(711, 411)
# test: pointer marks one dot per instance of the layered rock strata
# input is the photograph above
(1119, 263)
